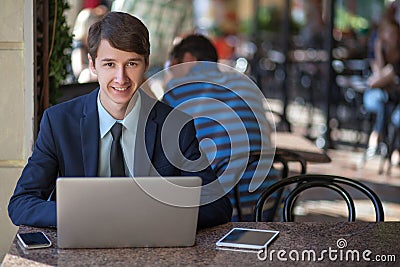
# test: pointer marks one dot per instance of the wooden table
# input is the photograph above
(300, 145)
(304, 244)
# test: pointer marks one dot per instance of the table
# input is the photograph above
(343, 240)
(287, 141)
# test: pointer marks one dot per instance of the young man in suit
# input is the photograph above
(75, 137)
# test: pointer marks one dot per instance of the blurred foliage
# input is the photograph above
(269, 18)
(60, 39)
(345, 21)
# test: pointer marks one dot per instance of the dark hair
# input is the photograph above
(123, 31)
(196, 44)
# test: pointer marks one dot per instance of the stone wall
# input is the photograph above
(16, 103)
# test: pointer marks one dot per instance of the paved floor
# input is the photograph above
(345, 162)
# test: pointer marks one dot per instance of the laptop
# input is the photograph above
(114, 212)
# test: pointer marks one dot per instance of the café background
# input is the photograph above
(17, 95)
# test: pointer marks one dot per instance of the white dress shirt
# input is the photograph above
(129, 130)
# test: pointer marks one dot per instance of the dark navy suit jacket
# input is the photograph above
(68, 146)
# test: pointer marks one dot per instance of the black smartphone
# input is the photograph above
(34, 240)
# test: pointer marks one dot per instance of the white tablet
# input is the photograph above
(247, 238)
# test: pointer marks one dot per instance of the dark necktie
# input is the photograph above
(116, 156)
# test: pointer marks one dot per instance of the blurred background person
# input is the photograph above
(165, 19)
(79, 55)
(384, 80)
(395, 120)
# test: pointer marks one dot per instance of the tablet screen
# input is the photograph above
(247, 238)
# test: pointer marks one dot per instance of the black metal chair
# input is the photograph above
(351, 76)
(285, 156)
(280, 157)
(392, 145)
(306, 181)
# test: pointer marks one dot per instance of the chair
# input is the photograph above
(285, 156)
(69, 91)
(239, 191)
(351, 77)
(393, 142)
(384, 149)
(387, 135)
(306, 181)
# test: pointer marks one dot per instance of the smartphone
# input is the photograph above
(247, 238)
(34, 240)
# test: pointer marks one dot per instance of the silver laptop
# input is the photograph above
(127, 212)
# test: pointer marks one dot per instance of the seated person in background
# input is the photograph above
(79, 58)
(75, 137)
(395, 120)
(228, 112)
(384, 81)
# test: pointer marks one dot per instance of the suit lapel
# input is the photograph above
(89, 127)
(145, 137)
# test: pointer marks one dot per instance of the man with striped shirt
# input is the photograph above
(229, 116)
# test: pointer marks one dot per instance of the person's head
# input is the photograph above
(85, 19)
(119, 50)
(194, 47)
(123, 31)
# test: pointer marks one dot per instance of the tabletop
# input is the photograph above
(287, 141)
(300, 243)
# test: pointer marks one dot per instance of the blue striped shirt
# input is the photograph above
(230, 119)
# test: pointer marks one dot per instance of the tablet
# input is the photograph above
(247, 238)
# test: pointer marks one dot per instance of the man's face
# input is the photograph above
(120, 74)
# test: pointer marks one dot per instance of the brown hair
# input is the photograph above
(123, 31)
(198, 45)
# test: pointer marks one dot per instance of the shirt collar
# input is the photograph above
(201, 71)
(203, 67)
(107, 121)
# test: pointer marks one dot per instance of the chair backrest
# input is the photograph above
(240, 191)
(307, 181)
(240, 195)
